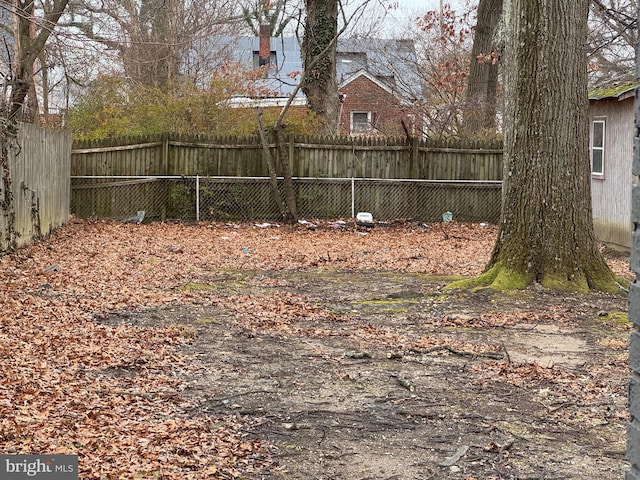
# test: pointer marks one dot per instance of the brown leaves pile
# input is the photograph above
(112, 393)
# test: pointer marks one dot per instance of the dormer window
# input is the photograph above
(261, 62)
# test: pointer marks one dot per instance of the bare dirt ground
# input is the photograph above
(225, 351)
(387, 377)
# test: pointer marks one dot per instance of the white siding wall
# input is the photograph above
(611, 194)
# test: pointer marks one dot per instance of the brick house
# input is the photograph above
(380, 88)
(378, 81)
(369, 107)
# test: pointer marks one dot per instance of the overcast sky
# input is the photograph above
(412, 6)
(408, 10)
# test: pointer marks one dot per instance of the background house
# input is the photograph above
(611, 112)
(378, 80)
(380, 87)
(279, 56)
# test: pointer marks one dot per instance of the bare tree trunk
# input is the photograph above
(318, 82)
(28, 47)
(319, 56)
(290, 193)
(159, 34)
(546, 230)
(481, 94)
(271, 165)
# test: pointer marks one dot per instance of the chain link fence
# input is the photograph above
(250, 199)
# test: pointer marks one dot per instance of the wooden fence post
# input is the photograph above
(413, 158)
(292, 154)
(164, 159)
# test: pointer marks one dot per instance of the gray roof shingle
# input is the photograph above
(393, 62)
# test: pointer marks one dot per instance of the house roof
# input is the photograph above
(363, 73)
(288, 57)
(389, 60)
(619, 91)
(392, 63)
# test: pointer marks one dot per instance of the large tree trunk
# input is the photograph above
(546, 230)
(481, 94)
(28, 46)
(319, 56)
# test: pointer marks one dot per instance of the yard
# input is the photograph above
(311, 352)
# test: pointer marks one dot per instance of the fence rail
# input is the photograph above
(309, 157)
(324, 168)
(209, 198)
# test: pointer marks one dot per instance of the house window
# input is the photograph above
(360, 122)
(597, 147)
(273, 61)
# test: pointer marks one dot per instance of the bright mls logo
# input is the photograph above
(49, 467)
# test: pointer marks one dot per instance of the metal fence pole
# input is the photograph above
(353, 198)
(250, 198)
(197, 198)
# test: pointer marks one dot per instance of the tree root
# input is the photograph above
(497, 278)
(501, 278)
(460, 353)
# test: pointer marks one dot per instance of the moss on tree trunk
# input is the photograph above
(546, 228)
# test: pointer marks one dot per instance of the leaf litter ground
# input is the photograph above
(324, 352)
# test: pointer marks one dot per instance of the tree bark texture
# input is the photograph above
(289, 190)
(157, 35)
(152, 55)
(546, 231)
(319, 57)
(482, 86)
(29, 45)
(288, 208)
(271, 165)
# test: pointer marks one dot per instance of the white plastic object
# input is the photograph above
(364, 217)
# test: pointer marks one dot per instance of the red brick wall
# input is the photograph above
(363, 95)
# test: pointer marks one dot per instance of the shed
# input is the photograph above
(611, 128)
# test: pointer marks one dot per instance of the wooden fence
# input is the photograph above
(166, 169)
(311, 157)
(35, 191)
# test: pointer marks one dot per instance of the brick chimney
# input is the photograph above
(265, 45)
